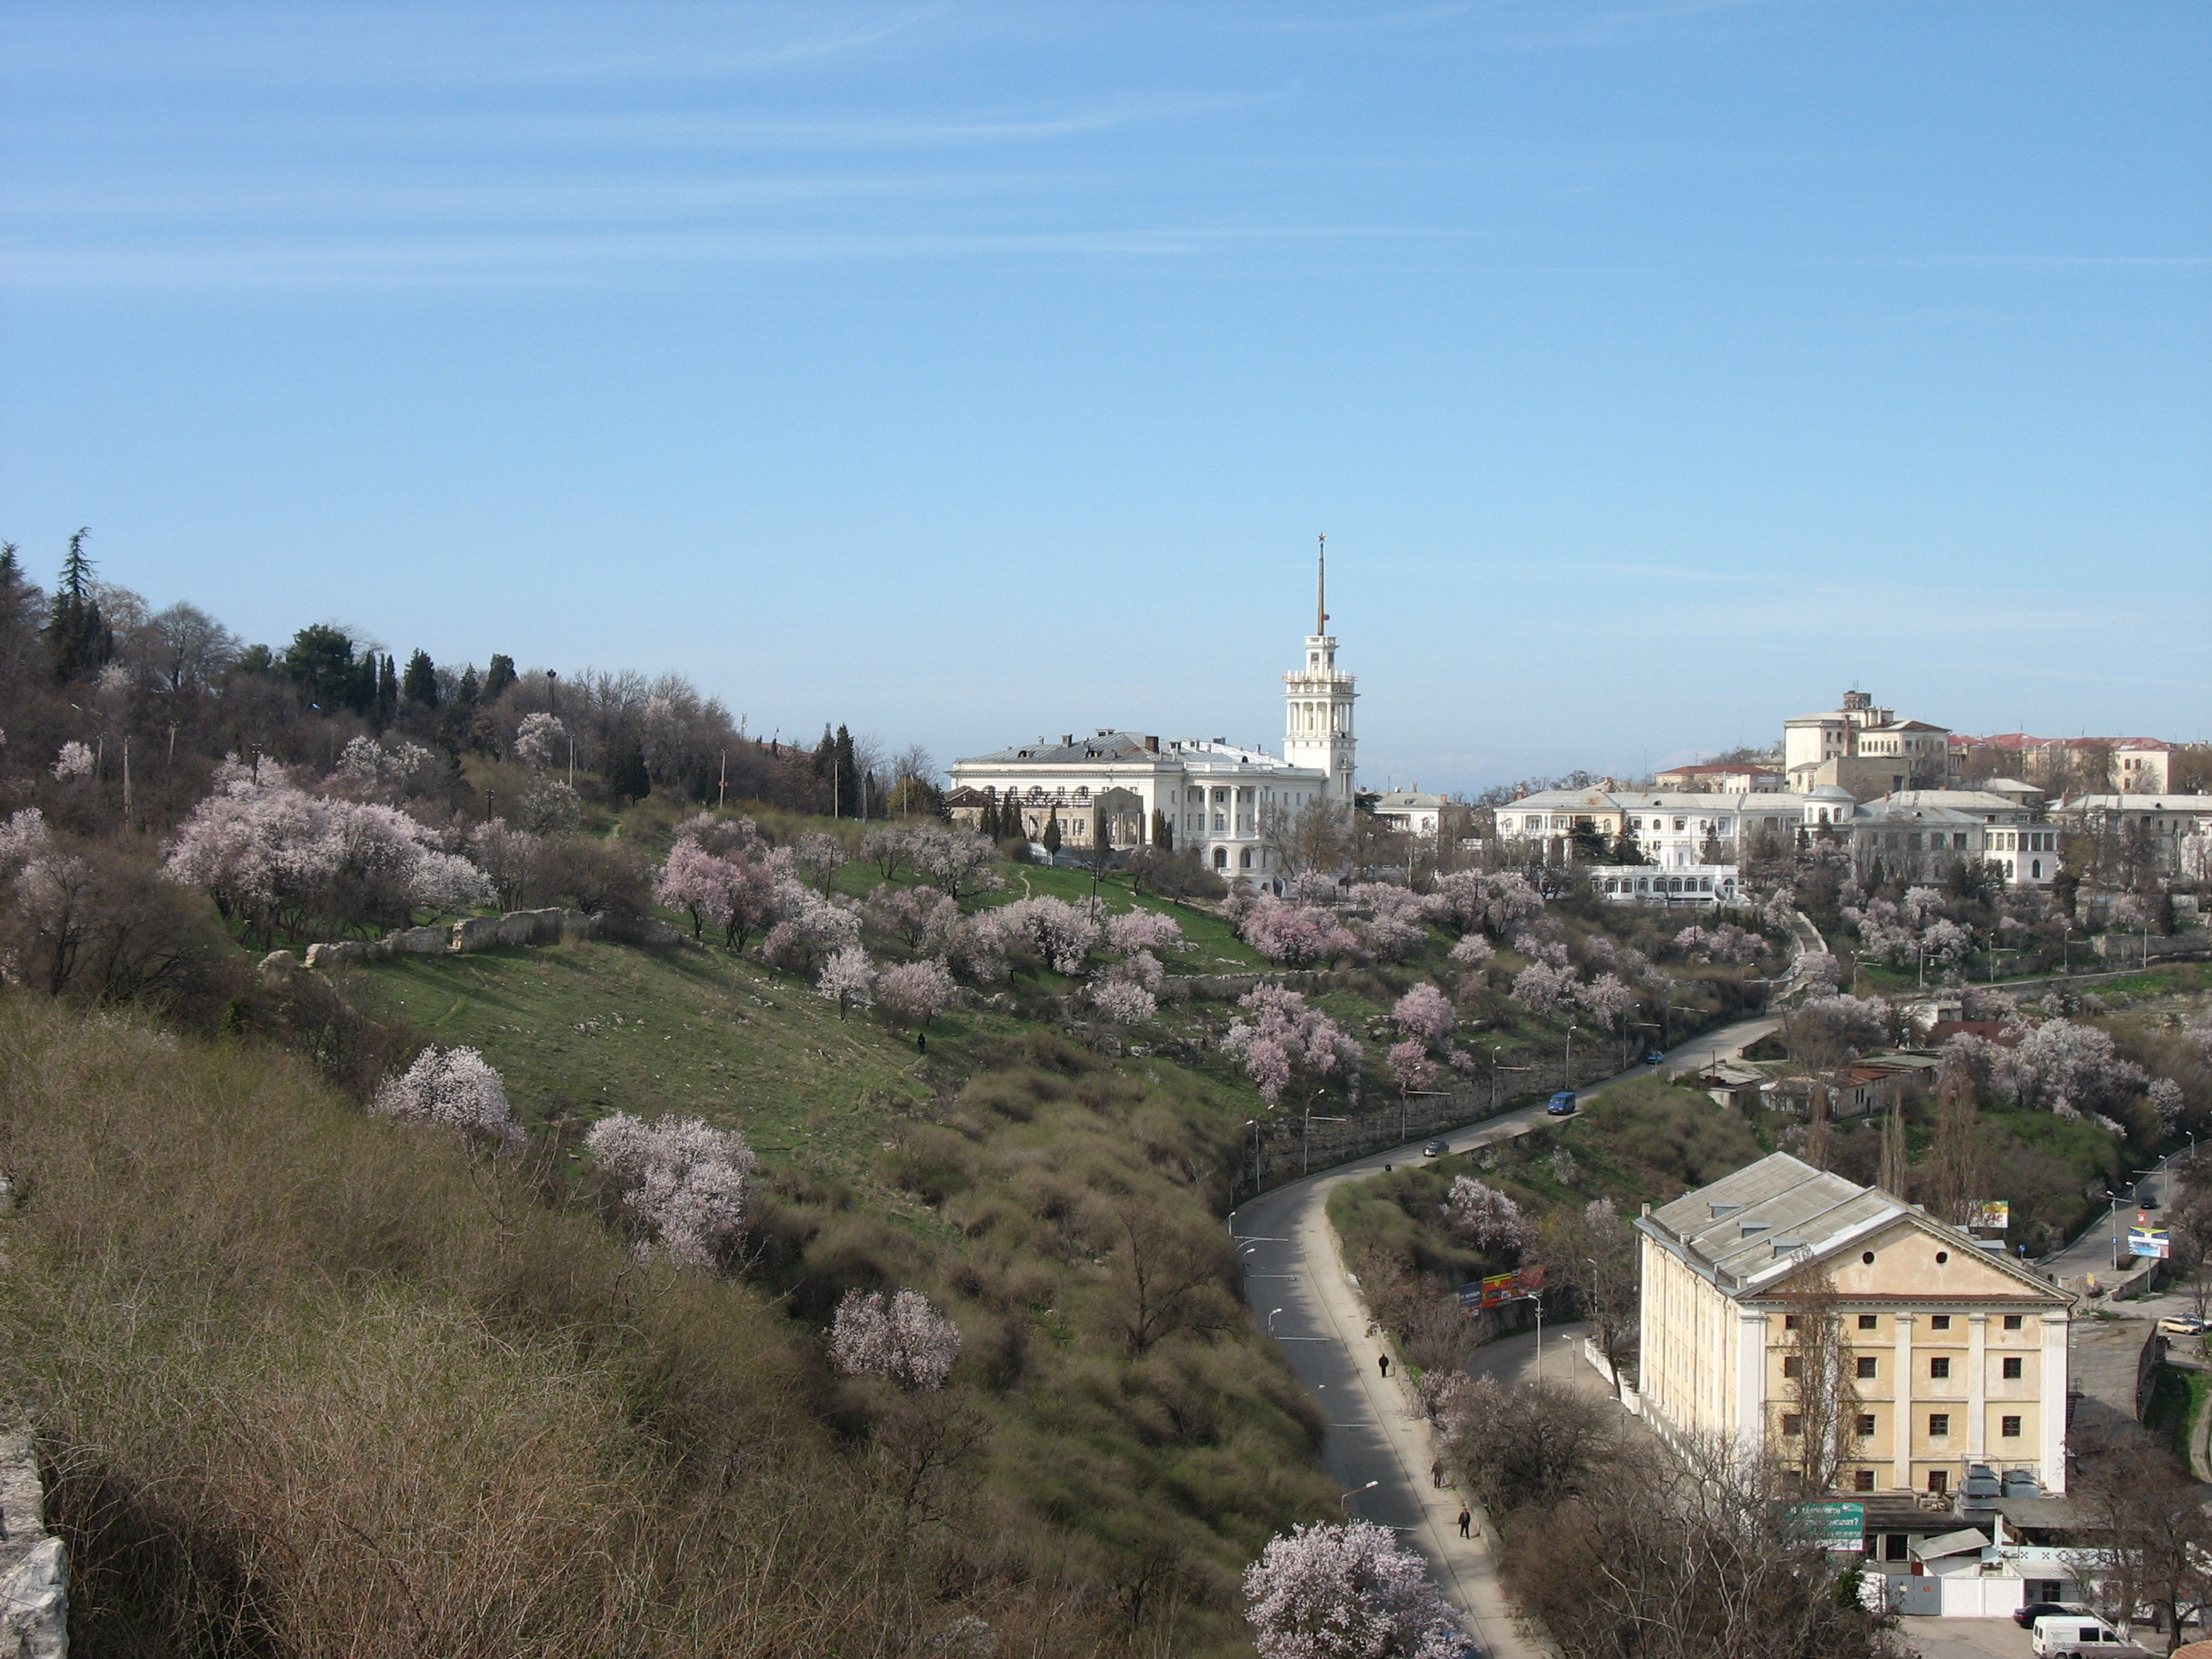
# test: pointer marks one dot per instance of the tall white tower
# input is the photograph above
(1317, 702)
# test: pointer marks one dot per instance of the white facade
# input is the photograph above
(1409, 811)
(1912, 832)
(1206, 794)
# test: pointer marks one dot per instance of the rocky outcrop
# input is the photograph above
(34, 1571)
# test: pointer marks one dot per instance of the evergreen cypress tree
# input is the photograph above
(848, 777)
(387, 692)
(498, 677)
(986, 824)
(467, 692)
(77, 638)
(627, 777)
(420, 683)
(1627, 847)
(1051, 837)
(1163, 836)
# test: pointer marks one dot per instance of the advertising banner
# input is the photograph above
(1993, 1213)
(2149, 1241)
(1830, 1525)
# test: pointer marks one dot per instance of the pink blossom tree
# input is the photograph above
(685, 1181)
(849, 979)
(810, 928)
(1052, 930)
(1543, 988)
(900, 1337)
(920, 917)
(1607, 1000)
(819, 856)
(1424, 1014)
(1142, 930)
(1123, 1002)
(1411, 1068)
(1398, 919)
(1497, 903)
(957, 862)
(1472, 951)
(1484, 1216)
(1283, 1039)
(1295, 935)
(456, 1089)
(1352, 1592)
(912, 993)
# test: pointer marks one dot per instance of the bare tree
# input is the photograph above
(1692, 1556)
(1592, 1252)
(1161, 1281)
(1526, 1447)
(1955, 1174)
(1315, 839)
(1824, 1400)
(2154, 1535)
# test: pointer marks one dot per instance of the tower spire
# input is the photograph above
(1320, 589)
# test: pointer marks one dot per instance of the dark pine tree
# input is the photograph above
(627, 778)
(1627, 847)
(77, 639)
(498, 677)
(419, 684)
(848, 777)
(19, 601)
(1162, 836)
(1051, 837)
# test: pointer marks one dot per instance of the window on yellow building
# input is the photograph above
(1862, 1479)
(2012, 1321)
(1939, 1425)
(1939, 1367)
(1792, 1423)
(1867, 1367)
(1793, 1365)
(2013, 1370)
(1866, 1425)
(2008, 1428)
(1939, 1322)
(1869, 1322)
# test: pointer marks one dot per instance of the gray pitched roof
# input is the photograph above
(1120, 746)
(1748, 1230)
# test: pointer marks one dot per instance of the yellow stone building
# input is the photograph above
(1951, 1352)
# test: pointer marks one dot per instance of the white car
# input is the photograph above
(2182, 1325)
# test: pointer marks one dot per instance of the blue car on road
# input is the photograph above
(1561, 1104)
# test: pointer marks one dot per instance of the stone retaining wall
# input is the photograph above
(516, 927)
(34, 1571)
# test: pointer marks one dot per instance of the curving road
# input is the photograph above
(1377, 1445)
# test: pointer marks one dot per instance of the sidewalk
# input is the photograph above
(1467, 1569)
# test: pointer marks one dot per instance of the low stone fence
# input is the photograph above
(34, 1571)
(516, 927)
(2142, 949)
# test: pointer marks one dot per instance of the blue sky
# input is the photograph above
(969, 372)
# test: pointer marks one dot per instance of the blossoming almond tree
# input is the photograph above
(1484, 1216)
(1142, 930)
(456, 1088)
(1283, 1039)
(1123, 1001)
(1345, 1592)
(1424, 1014)
(912, 993)
(848, 980)
(900, 1337)
(686, 1182)
(1296, 935)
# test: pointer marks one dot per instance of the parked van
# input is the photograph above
(1562, 1104)
(2074, 1633)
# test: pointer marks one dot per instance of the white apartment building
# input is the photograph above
(1955, 1354)
(1863, 749)
(2176, 829)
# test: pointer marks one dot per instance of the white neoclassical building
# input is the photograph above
(1208, 794)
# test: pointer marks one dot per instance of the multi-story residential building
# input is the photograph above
(1863, 749)
(1210, 794)
(1410, 813)
(1951, 1352)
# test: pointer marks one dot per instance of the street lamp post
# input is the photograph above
(1568, 1080)
(1495, 1068)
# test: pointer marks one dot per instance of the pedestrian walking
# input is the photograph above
(1383, 1360)
(1437, 1473)
(1466, 1522)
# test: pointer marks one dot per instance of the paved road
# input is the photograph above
(1377, 1446)
(2092, 1253)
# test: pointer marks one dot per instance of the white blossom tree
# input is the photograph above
(1484, 1216)
(685, 1181)
(1123, 1002)
(456, 1089)
(912, 993)
(1345, 1592)
(849, 979)
(900, 1337)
